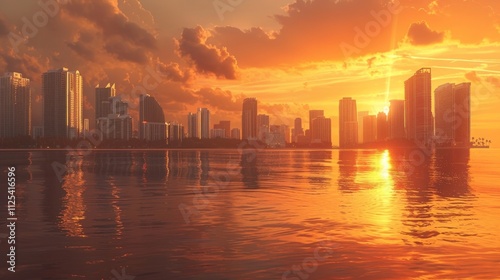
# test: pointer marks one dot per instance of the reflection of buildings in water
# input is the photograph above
(249, 169)
(451, 172)
(320, 167)
(347, 170)
(73, 212)
(115, 193)
(154, 165)
(205, 168)
(115, 163)
(53, 193)
(443, 173)
(193, 165)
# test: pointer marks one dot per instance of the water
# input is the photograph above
(221, 214)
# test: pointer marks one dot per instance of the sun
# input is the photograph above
(386, 110)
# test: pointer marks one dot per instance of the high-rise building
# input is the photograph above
(348, 123)
(203, 123)
(226, 126)
(118, 123)
(297, 130)
(102, 98)
(382, 127)
(396, 119)
(262, 126)
(86, 126)
(235, 133)
(312, 115)
(152, 125)
(418, 114)
(321, 130)
(452, 108)
(192, 126)
(276, 136)
(249, 119)
(369, 129)
(175, 133)
(361, 115)
(15, 105)
(217, 133)
(62, 99)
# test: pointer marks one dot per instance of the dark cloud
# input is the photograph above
(221, 99)
(111, 22)
(4, 26)
(126, 52)
(173, 72)
(315, 30)
(419, 34)
(84, 46)
(207, 59)
(29, 65)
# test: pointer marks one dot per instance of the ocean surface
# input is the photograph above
(253, 214)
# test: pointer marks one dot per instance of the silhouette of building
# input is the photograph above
(203, 123)
(15, 105)
(361, 115)
(312, 115)
(396, 119)
(249, 119)
(62, 99)
(192, 126)
(102, 98)
(226, 126)
(235, 133)
(452, 108)
(321, 131)
(262, 126)
(382, 127)
(369, 129)
(175, 133)
(152, 125)
(418, 114)
(297, 130)
(276, 136)
(217, 133)
(348, 123)
(117, 124)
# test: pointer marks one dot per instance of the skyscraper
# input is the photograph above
(102, 99)
(396, 119)
(312, 115)
(62, 99)
(369, 128)
(118, 123)
(348, 123)
(321, 131)
(235, 133)
(175, 133)
(418, 113)
(452, 108)
(203, 123)
(226, 126)
(152, 125)
(297, 130)
(361, 115)
(382, 127)
(192, 126)
(15, 105)
(249, 119)
(262, 126)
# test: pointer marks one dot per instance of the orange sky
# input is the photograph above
(291, 55)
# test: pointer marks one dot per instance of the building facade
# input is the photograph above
(419, 123)
(249, 119)
(348, 123)
(63, 106)
(15, 105)
(152, 125)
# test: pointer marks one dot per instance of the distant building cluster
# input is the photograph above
(409, 119)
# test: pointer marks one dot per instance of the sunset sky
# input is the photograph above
(292, 55)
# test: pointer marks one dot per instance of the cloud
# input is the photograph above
(173, 72)
(126, 52)
(112, 22)
(314, 30)
(221, 99)
(472, 76)
(207, 59)
(84, 45)
(4, 27)
(419, 34)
